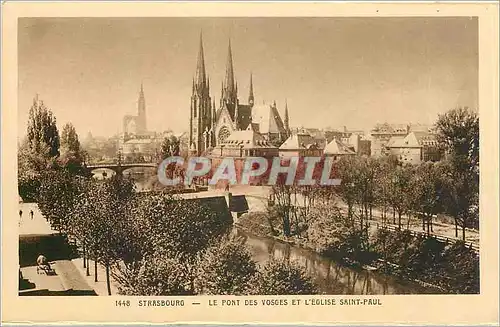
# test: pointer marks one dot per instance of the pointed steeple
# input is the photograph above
(141, 103)
(141, 108)
(251, 98)
(200, 77)
(287, 118)
(201, 111)
(230, 93)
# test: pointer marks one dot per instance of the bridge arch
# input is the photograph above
(102, 173)
(138, 169)
(120, 168)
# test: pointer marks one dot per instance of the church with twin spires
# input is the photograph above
(211, 124)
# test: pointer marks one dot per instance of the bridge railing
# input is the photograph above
(122, 164)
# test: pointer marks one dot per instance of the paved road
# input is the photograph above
(37, 225)
(66, 274)
(100, 287)
(42, 281)
(66, 277)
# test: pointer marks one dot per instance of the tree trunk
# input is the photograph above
(371, 211)
(463, 232)
(95, 270)
(423, 223)
(269, 220)
(108, 282)
(393, 216)
(456, 227)
(286, 223)
(87, 271)
(399, 220)
(84, 263)
(191, 283)
(428, 226)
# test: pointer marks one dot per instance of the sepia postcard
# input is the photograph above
(286, 163)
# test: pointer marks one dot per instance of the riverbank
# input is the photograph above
(445, 267)
(331, 277)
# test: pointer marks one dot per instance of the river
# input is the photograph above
(331, 277)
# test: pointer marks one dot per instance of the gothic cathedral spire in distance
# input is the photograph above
(141, 114)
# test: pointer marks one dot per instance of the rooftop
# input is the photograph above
(299, 141)
(336, 147)
(248, 138)
(268, 119)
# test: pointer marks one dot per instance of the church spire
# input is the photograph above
(230, 94)
(250, 94)
(141, 108)
(200, 77)
(200, 114)
(287, 118)
(141, 104)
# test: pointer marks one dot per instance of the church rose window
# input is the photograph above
(223, 134)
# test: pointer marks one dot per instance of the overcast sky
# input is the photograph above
(332, 71)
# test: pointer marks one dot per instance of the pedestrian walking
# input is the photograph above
(20, 213)
(31, 214)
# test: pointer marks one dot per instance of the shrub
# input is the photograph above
(226, 268)
(453, 267)
(280, 277)
(463, 266)
(158, 275)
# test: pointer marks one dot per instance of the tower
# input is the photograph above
(287, 119)
(141, 115)
(229, 89)
(200, 124)
(251, 98)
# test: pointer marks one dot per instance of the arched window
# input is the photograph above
(223, 134)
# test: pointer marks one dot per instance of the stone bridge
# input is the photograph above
(119, 168)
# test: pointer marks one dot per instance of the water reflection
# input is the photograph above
(331, 277)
